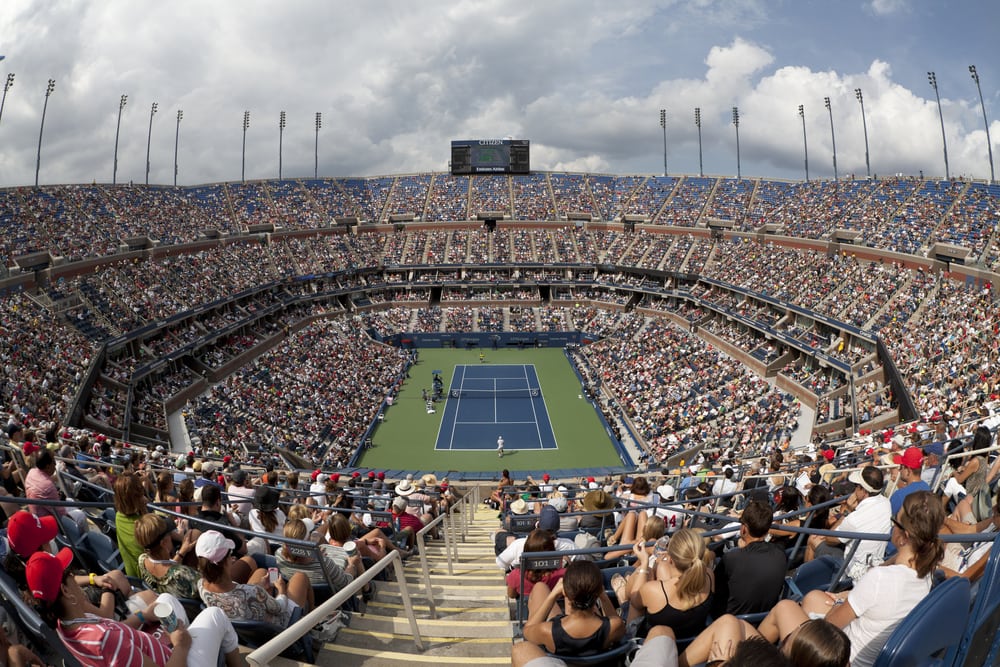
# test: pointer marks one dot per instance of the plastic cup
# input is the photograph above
(165, 612)
(351, 549)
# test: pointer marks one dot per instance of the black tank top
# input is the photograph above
(573, 646)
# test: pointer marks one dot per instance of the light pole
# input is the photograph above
(121, 106)
(243, 168)
(697, 122)
(38, 160)
(281, 136)
(932, 79)
(10, 82)
(736, 123)
(975, 77)
(864, 124)
(177, 136)
(833, 138)
(805, 145)
(149, 138)
(663, 124)
(319, 124)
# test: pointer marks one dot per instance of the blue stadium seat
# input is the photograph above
(928, 635)
(980, 644)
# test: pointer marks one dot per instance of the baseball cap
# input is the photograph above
(828, 454)
(208, 468)
(213, 546)
(381, 475)
(335, 477)
(934, 449)
(265, 498)
(912, 458)
(27, 532)
(371, 474)
(666, 491)
(559, 503)
(30, 448)
(546, 477)
(44, 573)
(549, 519)
(315, 474)
(399, 504)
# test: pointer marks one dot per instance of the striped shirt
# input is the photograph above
(101, 642)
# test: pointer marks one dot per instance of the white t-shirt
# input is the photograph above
(872, 515)
(511, 556)
(881, 599)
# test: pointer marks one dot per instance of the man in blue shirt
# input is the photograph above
(910, 463)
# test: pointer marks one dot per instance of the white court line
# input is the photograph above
(454, 422)
(538, 429)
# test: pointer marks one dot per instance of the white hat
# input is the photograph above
(213, 546)
(559, 503)
(519, 507)
(666, 492)
(404, 488)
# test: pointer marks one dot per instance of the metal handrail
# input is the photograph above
(268, 652)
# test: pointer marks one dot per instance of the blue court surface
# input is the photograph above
(488, 401)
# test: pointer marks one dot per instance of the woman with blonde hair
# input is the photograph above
(681, 593)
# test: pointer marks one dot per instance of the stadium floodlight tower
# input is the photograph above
(281, 135)
(697, 122)
(319, 124)
(177, 136)
(805, 145)
(864, 124)
(121, 107)
(38, 160)
(6, 87)
(932, 79)
(149, 138)
(663, 124)
(243, 164)
(833, 140)
(736, 124)
(975, 77)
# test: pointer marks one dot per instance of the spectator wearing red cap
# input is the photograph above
(102, 642)
(910, 463)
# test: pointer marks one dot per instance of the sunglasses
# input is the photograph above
(897, 524)
(159, 538)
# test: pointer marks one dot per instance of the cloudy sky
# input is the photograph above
(584, 80)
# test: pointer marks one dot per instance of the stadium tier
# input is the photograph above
(869, 301)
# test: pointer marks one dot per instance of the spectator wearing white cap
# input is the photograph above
(279, 603)
(865, 511)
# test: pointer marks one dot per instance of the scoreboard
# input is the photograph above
(490, 156)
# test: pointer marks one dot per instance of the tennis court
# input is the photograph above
(489, 401)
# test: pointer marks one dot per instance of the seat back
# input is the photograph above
(104, 551)
(928, 634)
(981, 641)
(816, 574)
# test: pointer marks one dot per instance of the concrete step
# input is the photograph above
(472, 624)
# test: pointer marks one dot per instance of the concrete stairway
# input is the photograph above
(473, 624)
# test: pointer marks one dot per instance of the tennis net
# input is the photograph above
(496, 394)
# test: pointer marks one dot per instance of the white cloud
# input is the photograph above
(396, 81)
